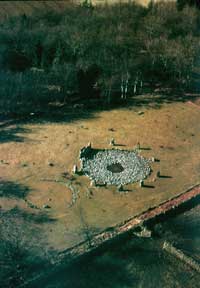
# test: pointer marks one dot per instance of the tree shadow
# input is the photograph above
(86, 108)
(22, 250)
(123, 263)
(9, 134)
(38, 217)
(69, 113)
(103, 270)
(10, 189)
(156, 99)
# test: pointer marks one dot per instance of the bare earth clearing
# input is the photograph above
(37, 160)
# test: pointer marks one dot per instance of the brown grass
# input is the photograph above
(172, 133)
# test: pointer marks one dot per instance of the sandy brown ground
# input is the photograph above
(172, 133)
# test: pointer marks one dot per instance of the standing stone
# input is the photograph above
(158, 174)
(92, 183)
(112, 142)
(141, 183)
(46, 206)
(89, 145)
(75, 169)
(120, 188)
(138, 146)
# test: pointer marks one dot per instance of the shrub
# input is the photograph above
(111, 49)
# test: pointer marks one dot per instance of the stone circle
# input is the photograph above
(114, 166)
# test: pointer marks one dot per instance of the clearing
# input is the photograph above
(37, 157)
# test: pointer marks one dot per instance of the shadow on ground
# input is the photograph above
(184, 231)
(11, 189)
(126, 262)
(74, 112)
(38, 217)
(132, 262)
(10, 134)
(22, 250)
(85, 109)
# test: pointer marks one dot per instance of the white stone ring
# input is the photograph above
(114, 166)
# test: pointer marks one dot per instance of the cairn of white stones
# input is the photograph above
(97, 165)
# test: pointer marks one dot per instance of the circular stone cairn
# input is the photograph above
(115, 167)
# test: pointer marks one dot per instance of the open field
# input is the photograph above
(37, 158)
